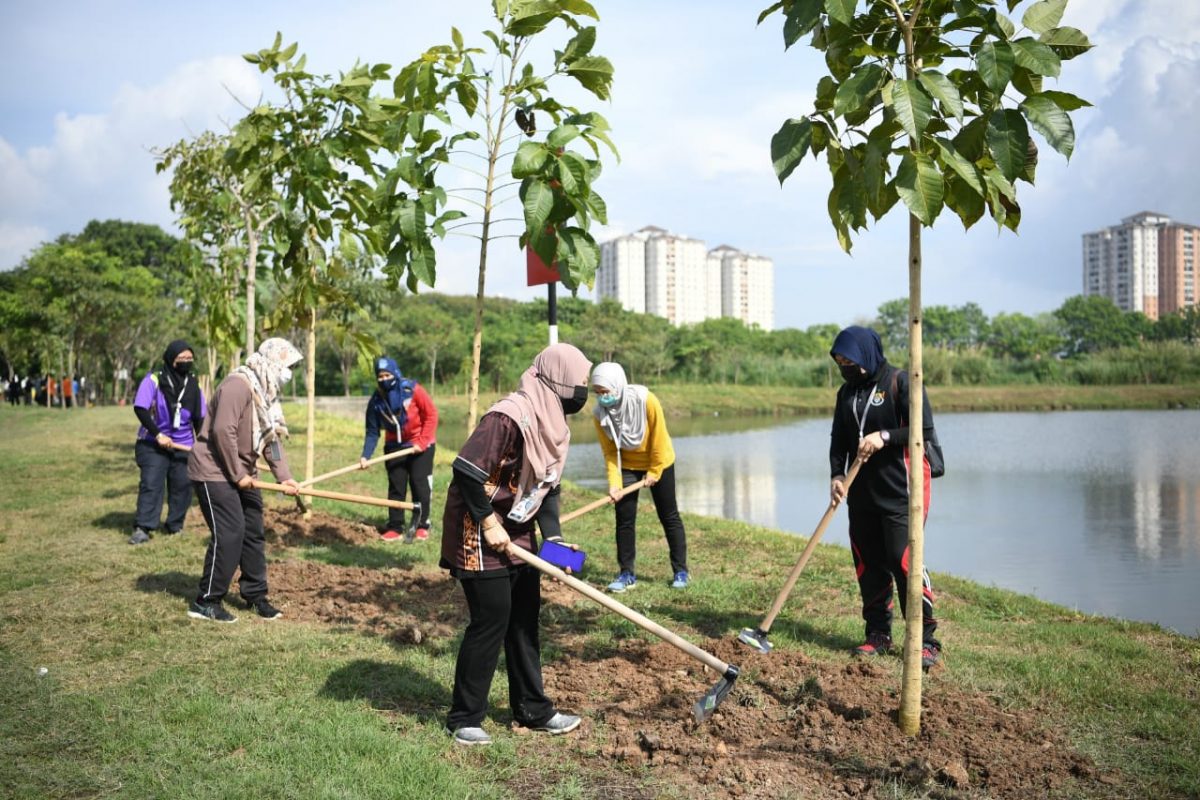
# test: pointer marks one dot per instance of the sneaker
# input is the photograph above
(681, 580)
(422, 535)
(471, 737)
(214, 612)
(877, 644)
(559, 724)
(140, 536)
(623, 581)
(263, 608)
(930, 655)
(390, 536)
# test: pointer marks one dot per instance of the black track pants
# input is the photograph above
(414, 471)
(161, 468)
(663, 494)
(235, 519)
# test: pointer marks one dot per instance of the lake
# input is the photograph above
(1094, 510)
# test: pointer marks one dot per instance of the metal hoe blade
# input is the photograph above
(756, 638)
(712, 698)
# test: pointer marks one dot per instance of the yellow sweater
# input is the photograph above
(652, 456)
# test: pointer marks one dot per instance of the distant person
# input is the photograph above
(870, 421)
(13, 390)
(633, 435)
(506, 478)
(170, 406)
(245, 421)
(68, 391)
(408, 417)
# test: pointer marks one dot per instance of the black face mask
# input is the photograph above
(575, 404)
(183, 367)
(388, 385)
(852, 373)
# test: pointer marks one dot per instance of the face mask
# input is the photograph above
(578, 398)
(285, 375)
(183, 367)
(852, 373)
(608, 400)
(388, 385)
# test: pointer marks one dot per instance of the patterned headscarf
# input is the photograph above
(266, 371)
(536, 407)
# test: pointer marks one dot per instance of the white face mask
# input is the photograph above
(285, 375)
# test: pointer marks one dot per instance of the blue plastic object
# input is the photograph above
(562, 556)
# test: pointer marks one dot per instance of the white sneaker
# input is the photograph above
(560, 724)
(471, 737)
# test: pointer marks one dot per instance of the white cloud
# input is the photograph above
(17, 240)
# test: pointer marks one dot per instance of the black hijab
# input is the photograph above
(179, 389)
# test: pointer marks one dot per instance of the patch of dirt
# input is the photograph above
(405, 606)
(792, 726)
(287, 526)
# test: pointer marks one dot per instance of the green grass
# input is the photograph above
(138, 701)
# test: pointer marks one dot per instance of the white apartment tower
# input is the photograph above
(675, 277)
(1121, 262)
(747, 286)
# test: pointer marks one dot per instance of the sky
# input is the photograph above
(92, 87)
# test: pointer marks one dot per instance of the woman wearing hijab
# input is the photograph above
(408, 417)
(170, 406)
(633, 435)
(246, 421)
(870, 421)
(506, 478)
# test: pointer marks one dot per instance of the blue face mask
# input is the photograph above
(608, 400)
(388, 385)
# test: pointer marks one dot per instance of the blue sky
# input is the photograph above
(699, 90)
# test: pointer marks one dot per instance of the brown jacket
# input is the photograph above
(224, 448)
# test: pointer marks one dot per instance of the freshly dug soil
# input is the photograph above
(791, 727)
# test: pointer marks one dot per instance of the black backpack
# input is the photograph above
(933, 448)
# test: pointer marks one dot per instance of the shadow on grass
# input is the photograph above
(716, 625)
(389, 687)
(116, 520)
(117, 491)
(179, 584)
(341, 555)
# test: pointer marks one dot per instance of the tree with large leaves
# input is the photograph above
(503, 104)
(928, 102)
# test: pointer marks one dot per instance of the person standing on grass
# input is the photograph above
(633, 436)
(506, 478)
(870, 422)
(409, 419)
(245, 422)
(170, 407)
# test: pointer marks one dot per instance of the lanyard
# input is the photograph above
(862, 421)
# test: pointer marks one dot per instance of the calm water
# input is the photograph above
(1098, 511)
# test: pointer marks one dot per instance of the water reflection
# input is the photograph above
(1098, 511)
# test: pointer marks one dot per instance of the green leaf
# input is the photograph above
(826, 89)
(598, 207)
(579, 8)
(963, 200)
(789, 145)
(538, 200)
(457, 37)
(580, 45)
(912, 106)
(1037, 57)
(841, 10)
(594, 73)
(1066, 101)
(854, 93)
(467, 95)
(1026, 82)
(501, 8)
(1008, 141)
(1067, 42)
(920, 186)
(961, 165)
(801, 18)
(769, 10)
(996, 61)
(971, 140)
(573, 173)
(1051, 122)
(531, 158)
(1044, 15)
(561, 135)
(943, 90)
(581, 255)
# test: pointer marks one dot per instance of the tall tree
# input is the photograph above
(916, 108)
(502, 105)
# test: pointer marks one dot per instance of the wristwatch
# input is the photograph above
(886, 436)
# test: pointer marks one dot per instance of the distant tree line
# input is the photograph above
(109, 298)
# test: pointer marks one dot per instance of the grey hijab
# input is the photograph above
(625, 422)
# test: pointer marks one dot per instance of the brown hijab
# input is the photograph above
(536, 407)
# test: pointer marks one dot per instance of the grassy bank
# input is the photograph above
(138, 701)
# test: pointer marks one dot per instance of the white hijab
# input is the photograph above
(625, 422)
(266, 371)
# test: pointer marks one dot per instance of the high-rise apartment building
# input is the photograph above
(1146, 264)
(677, 278)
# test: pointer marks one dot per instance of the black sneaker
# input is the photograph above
(931, 654)
(877, 644)
(263, 608)
(214, 612)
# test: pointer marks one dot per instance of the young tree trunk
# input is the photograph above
(251, 283)
(310, 379)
